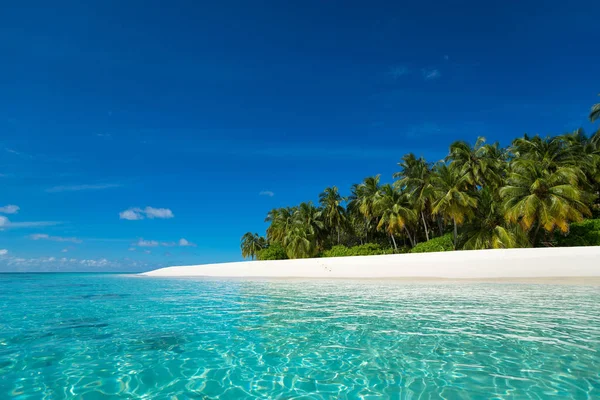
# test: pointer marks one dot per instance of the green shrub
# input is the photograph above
(442, 243)
(369, 249)
(586, 233)
(275, 251)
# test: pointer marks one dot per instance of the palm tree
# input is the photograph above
(552, 152)
(536, 195)
(332, 210)
(281, 221)
(299, 242)
(480, 164)
(583, 153)
(595, 112)
(362, 200)
(251, 243)
(395, 213)
(487, 229)
(452, 198)
(304, 237)
(415, 178)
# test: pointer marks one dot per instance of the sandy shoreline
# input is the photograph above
(548, 265)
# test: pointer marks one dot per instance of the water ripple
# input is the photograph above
(103, 336)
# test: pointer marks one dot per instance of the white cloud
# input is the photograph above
(158, 213)
(185, 243)
(44, 236)
(10, 263)
(103, 262)
(64, 251)
(104, 135)
(136, 213)
(266, 193)
(77, 188)
(5, 223)
(3, 252)
(430, 73)
(147, 251)
(9, 209)
(133, 214)
(155, 243)
(147, 243)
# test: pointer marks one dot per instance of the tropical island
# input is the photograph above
(537, 192)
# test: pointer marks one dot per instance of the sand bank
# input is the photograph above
(547, 263)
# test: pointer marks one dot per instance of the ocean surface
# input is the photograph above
(94, 336)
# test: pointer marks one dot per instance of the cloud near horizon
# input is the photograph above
(155, 243)
(77, 188)
(3, 252)
(266, 193)
(10, 209)
(43, 236)
(136, 213)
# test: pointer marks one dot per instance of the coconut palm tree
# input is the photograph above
(304, 236)
(552, 152)
(281, 220)
(595, 112)
(453, 200)
(395, 213)
(480, 164)
(251, 243)
(415, 178)
(487, 229)
(333, 212)
(362, 200)
(583, 153)
(550, 199)
(299, 242)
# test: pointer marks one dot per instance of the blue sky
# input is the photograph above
(128, 126)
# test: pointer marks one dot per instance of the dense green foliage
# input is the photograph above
(274, 252)
(369, 249)
(442, 243)
(481, 196)
(586, 233)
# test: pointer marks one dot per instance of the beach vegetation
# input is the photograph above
(369, 249)
(274, 251)
(440, 243)
(537, 191)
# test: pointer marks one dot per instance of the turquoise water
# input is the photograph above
(111, 336)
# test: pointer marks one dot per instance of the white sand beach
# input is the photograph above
(540, 264)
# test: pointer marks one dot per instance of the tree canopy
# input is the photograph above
(482, 196)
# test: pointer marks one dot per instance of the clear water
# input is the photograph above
(110, 336)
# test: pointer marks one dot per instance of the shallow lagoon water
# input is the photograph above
(94, 336)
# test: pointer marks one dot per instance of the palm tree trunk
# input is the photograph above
(440, 225)
(338, 229)
(535, 234)
(425, 225)
(455, 233)
(394, 241)
(412, 243)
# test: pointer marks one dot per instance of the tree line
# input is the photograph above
(484, 195)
